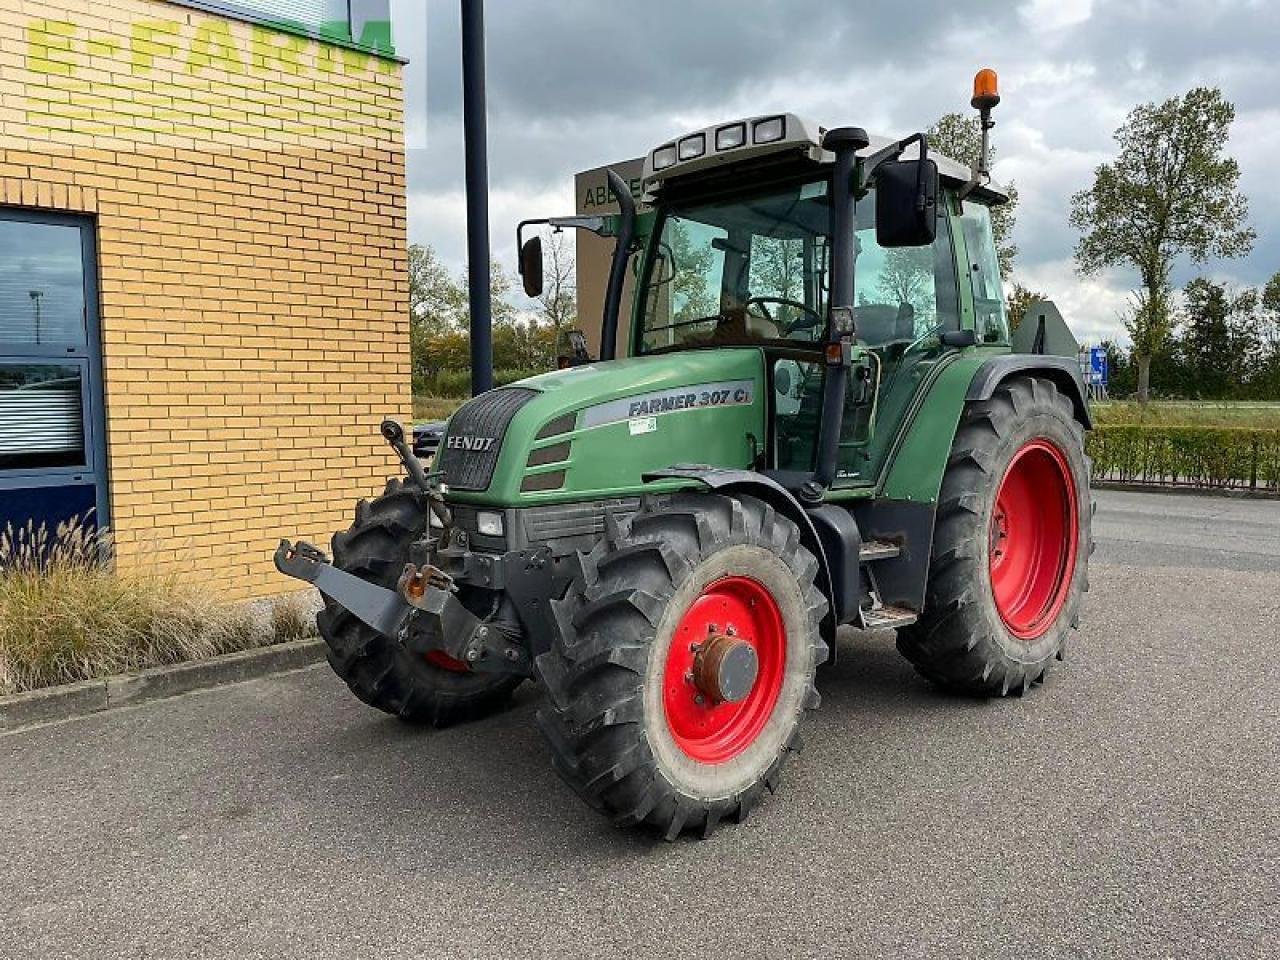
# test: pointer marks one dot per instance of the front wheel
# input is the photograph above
(683, 662)
(1011, 544)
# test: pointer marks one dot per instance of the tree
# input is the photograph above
(1170, 192)
(959, 136)
(907, 277)
(436, 301)
(559, 289)
(1219, 346)
(1016, 303)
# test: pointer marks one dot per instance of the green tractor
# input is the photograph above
(819, 421)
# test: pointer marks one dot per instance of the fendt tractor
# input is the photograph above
(819, 420)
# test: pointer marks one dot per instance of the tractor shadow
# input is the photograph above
(494, 778)
(871, 677)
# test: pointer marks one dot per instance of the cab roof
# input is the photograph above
(772, 135)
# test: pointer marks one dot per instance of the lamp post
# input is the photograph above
(477, 183)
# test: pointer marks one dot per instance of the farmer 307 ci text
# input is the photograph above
(820, 419)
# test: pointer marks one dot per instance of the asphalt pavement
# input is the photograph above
(1128, 808)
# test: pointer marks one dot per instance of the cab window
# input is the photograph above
(984, 273)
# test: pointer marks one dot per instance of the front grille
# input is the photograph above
(485, 418)
(573, 519)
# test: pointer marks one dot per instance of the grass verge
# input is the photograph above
(435, 408)
(67, 616)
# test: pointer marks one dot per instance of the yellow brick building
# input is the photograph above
(234, 189)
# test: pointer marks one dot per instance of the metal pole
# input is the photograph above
(477, 183)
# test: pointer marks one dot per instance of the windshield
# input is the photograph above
(741, 270)
(752, 269)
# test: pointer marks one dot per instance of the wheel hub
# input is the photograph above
(725, 668)
(1032, 539)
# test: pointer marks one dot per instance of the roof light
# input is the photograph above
(770, 130)
(694, 146)
(664, 157)
(734, 135)
(986, 93)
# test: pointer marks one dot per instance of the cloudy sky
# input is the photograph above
(574, 84)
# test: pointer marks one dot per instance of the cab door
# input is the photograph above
(905, 298)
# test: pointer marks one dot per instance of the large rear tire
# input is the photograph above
(647, 719)
(379, 670)
(1011, 545)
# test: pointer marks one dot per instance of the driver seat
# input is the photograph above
(877, 324)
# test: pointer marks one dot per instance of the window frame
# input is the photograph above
(87, 356)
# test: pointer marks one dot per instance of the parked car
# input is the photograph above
(426, 439)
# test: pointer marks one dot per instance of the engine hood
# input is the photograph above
(593, 431)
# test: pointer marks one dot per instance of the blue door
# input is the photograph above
(52, 425)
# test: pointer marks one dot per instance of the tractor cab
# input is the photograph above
(740, 255)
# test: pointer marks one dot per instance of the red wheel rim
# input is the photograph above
(1032, 541)
(438, 658)
(712, 732)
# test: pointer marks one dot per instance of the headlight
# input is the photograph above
(489, 523)
(769, 131)
(664, 157)
(694, 146)
(732, 136)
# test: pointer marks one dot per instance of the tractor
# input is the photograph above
(819, 419)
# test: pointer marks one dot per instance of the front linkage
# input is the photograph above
(425, 613)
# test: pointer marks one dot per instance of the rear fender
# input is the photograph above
(1063, 371)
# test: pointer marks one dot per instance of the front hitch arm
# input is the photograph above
(423, 614)
(380, 608)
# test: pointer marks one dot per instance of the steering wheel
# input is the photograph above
(810, 317)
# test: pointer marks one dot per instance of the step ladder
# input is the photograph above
(881, 616)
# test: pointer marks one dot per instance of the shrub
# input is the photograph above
(65, 615)
(1211, 457)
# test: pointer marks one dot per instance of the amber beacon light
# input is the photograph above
(986, 92)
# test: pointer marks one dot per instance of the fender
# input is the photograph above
(1063, 371)
(829, 531)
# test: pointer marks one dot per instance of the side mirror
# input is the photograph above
(906, 203)
(531, 266)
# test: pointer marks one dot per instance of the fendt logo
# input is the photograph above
(474, 444)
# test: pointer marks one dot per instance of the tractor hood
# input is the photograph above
(593, 431)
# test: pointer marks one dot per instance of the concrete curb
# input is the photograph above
(1227, 492)
(92, 696)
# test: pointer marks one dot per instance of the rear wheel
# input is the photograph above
(435, 689)
(683, 662)
(1011, 544)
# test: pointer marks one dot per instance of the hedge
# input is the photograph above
(1209, 457)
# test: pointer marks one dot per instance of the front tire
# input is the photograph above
(640, 722)
(1011, 545)
(433, 690)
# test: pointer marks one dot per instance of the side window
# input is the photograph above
(902, 293)
(984, 273)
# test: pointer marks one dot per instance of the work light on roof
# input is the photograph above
(664, 157)
(694, 146)
(734, 135)
(769, 130)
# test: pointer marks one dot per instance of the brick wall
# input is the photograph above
(248, 188)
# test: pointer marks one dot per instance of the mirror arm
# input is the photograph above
(596, 225)
(892, 152)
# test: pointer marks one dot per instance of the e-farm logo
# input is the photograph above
(206, 80)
